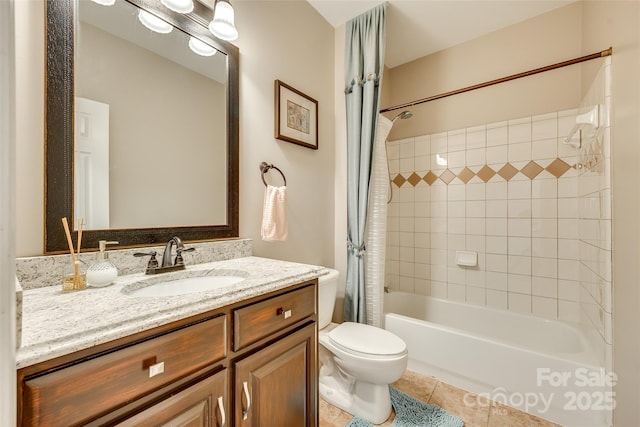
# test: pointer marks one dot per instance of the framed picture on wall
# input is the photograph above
(296, 116)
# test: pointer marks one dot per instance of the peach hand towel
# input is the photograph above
(274, 214)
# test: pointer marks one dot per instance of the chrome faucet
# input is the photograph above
(178, 262)
(166, 255)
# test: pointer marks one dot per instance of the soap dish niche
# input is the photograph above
(466, 258)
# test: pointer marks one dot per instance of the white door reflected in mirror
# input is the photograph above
(91, 163)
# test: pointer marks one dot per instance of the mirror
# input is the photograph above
(153, 99)
(143, 142)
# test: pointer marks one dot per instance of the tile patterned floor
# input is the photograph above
(450, 398)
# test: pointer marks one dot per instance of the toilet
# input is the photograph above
(357, 361)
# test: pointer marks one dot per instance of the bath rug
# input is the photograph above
(413, 413)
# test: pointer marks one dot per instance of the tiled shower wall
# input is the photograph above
(507, 191)
(535, 210)
(594, 221)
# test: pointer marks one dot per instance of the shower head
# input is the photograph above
(403, 115)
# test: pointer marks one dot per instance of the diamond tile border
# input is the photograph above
(486, 173)
(531, 170)
(447, 176)
(399, 180)
(430, 178)
(508, 171)
(414, 179)
(557, 168)
(465, 175)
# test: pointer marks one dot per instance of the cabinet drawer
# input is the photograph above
(261, 319)
(95, 386)
(203, 404)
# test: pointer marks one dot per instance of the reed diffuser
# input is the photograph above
(75, 279)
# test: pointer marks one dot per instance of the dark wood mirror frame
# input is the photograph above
(59, 106)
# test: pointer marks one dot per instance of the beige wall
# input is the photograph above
(278, 40)
(616, 24)
(289, 41)
(7, 217)
(29, 40)
(547, 39)
(340, 197)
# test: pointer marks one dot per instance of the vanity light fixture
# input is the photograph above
(222, 25)
(180, 6)
(105, 2)
(201, 48)
(154, 23)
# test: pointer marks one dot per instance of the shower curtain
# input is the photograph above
(364, 63)
(376, 228)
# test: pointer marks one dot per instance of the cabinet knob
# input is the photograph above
(156, 369)
(286, 313)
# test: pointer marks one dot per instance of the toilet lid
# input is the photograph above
(367, 339)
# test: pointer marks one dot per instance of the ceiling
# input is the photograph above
(436, 24)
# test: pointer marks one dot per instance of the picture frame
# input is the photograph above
(296, 116)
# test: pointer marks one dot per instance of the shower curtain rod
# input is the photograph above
(601, 54)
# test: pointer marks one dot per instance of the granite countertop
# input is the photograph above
(56, 323)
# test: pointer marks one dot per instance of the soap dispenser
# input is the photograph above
(102, 272)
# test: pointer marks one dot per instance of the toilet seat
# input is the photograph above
(368, 341)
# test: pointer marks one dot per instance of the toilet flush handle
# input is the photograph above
(281, 311)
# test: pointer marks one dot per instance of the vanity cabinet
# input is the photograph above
(273, 387)
(201, 405)
(96, 385)
(253, 363)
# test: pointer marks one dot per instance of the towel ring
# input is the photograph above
(264, 168)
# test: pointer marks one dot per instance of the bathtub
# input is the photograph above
(544, 367)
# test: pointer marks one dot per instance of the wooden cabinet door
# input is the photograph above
(277, 386)
(204, 404)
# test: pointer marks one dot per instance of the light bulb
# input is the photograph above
(154, 23)
(180, 6)
(200, 47)
(222, 25)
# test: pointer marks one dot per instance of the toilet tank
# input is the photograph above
(327, 287)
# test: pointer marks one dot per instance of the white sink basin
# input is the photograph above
(184, 286)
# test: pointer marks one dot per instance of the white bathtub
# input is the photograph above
(544, 367)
